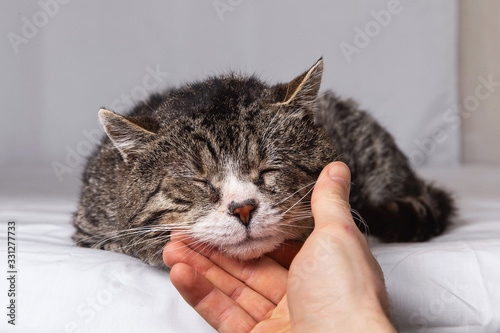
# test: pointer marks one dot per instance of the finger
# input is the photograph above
(284, 254)
(255, 304)
(330, 198)
(279, 320)
(264, 275)
(220, 311)
(330, 204)
(330, 207)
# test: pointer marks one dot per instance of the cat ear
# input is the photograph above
(128, 137)
(301, 90)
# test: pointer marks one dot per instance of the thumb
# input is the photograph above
(330, 198)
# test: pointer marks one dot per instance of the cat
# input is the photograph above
(233, 161)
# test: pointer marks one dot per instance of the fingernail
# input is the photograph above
(339, 172)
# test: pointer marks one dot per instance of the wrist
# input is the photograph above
(374, 321)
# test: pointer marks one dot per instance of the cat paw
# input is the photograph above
(411, 219)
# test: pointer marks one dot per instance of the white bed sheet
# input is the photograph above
(449, 284)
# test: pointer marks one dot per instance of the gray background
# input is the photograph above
(89, 54)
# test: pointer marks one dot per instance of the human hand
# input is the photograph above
(334, 282)
(231, 296)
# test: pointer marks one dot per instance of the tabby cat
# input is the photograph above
(233, 161)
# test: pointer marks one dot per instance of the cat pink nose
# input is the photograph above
(244, 211)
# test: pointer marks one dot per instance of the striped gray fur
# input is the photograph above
(177, 160)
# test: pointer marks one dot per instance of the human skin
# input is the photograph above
(331, 283)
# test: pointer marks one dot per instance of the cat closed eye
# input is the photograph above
(200, 181)
(263, 174)
(211, 190)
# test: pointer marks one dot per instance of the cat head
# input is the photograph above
(230, 160)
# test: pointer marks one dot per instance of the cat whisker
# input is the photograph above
(156, 238)
(300, 189)
(160, 241)
(133, 233)
(297, 226)
(358, 218)
(295, 204)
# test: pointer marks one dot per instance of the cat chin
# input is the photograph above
(251, 249)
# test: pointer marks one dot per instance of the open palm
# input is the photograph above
(333, 284)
